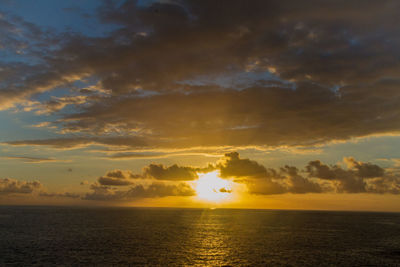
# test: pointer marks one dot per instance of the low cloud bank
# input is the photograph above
(11, 186)
(351, 176)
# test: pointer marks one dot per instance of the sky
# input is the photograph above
(240, 104)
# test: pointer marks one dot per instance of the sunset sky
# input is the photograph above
(241, 104)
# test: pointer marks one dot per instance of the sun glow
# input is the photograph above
(211, 188)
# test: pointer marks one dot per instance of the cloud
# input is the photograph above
(234, 166)
(79, 142)
(353, 180)
(116, 174)
(56, 104)
(61, 195)
(286, 180)
(45, 124)
(117, 178)
(230, 118)
(317, 177)
(365, 170)
(154, 190)
(12, 186)
(172, 173)
(389, 184)
(161, 153)
(298, 184)
(34, 159)
(152, 171)
(346, 180)
(113, 181)
(157, 180)
(258, 178)
(265, 187)
(203, 74)
(133, 155)
(294, 39)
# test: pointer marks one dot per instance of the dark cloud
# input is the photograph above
(311, 72)
(328, 41)
(12, 186)
(154, 190)
(365, 170)
(321, 178)
(61, 195)
(352, 180)
(173, 173)
(286, 180)
(234, 166)
(116, 174)
(298, 184)
(152, 171)
(116, 178)
(346, 180)
(113, 181)
(258, 178)
(255, 116)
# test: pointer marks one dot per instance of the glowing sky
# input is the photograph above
(286, 104)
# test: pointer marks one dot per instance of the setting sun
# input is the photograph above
(210, 187)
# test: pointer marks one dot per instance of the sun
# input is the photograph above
(211, 188)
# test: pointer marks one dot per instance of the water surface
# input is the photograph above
(160, 237)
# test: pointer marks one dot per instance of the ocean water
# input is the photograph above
(48, 236)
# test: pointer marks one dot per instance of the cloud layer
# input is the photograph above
(157, 181)
(187, 74)
(316, 177)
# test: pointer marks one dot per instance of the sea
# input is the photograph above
(65, 236)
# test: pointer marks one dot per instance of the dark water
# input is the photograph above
(161, 237)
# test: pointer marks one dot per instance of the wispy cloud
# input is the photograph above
(34, 159)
